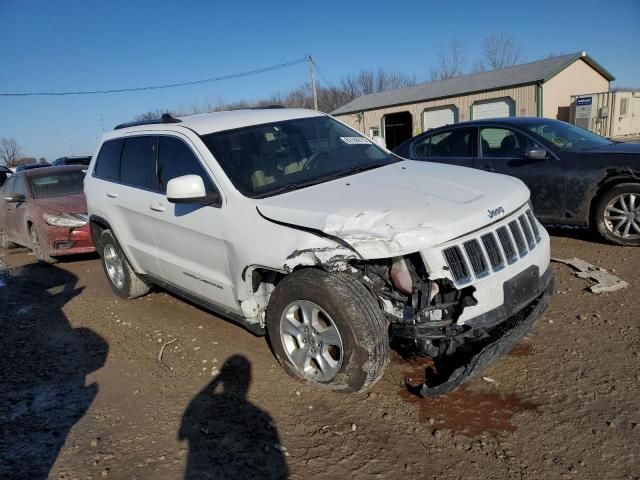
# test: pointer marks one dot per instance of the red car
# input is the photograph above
(45, 210)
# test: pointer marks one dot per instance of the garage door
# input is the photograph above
(495, 109)
(439, 117)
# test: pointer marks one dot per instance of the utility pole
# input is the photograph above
(313, 83)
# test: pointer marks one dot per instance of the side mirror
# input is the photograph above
(14, 198)
(535, 154)
(378, 140)
(190, 189)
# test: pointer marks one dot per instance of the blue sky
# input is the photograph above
(83, 45)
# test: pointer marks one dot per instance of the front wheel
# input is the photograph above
(4, 240)
(123, 280)
(617, 214)
(326, 328)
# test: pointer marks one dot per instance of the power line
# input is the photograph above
(158, 87)
(322, 74)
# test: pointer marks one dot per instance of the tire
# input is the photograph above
(351, 361)
(4, 240)
(38, 248)
(123, 280)
(617, 214)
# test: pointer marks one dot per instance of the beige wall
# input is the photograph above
(524, 97)
(577, 79)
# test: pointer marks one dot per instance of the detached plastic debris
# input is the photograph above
(605, 281)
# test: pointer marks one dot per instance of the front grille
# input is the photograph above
(517, 236)
(491, 247)
(492, 251)
(476, 257)
(457, 263)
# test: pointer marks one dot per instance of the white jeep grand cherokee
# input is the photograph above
(294, 225)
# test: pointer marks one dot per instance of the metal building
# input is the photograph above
(542, 88)
(610, 114)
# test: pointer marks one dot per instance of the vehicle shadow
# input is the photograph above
(228, 436)
(44, 362)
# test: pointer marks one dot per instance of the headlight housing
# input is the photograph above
(73, 220)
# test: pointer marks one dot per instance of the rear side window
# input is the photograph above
(108, 161)
(176, 159)
(421, 147)
(138, 166)
(454, 143)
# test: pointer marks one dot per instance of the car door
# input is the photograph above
(454, 146)
(502, 150)
(19, 212)
(7, 217)
(127, 168)
(190, 241)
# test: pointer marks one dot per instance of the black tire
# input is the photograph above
(4, 240)
(606, 225)
(126, 283)
(38, 248)
(357, 316)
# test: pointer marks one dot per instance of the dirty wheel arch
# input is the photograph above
(123, 280)
(350, 307)
(37, 247)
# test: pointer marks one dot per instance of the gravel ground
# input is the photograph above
(83, 394)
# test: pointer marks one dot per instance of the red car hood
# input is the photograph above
(76, 203)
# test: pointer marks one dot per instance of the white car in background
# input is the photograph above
(295, 225)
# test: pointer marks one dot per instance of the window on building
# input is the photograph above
(624, 102)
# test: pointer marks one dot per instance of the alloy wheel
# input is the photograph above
(622, 216)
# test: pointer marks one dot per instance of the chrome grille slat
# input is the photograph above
(518, 237)
(491, 251)
(524, 223)
(476, 257)
(534, 225)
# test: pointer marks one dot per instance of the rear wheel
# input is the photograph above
(326, 328)
(123, 280)
(38, 247)
(617, 214)
(4, 240)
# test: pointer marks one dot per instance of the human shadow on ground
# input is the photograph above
(44, 362)
(228, 436)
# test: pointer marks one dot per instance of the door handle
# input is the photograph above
(112, 195)
(157, 207)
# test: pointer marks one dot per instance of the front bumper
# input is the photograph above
(488, 337)
(68, 241)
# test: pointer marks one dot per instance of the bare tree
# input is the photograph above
(150, 115)
(451, 63)
(9, 151)
(500, 51)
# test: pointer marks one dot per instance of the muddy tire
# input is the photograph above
(617, 214)
(123, 280)
(327, 329)
(4, 240)
(38, 247)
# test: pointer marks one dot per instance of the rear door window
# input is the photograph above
(503, 143)
(421, 147)
(138, 165)
(176, 159)
(108, 161)
(19, 186)
(452, 143)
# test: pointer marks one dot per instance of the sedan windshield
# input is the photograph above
(568, 137)
(57, 184)
(272, 158)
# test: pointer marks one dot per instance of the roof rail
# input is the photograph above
(165, 118)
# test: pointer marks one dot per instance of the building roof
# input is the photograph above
(526, 73)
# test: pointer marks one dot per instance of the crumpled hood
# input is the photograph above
(401, 208)
(75, 203)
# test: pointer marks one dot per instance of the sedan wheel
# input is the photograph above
(37, 247)
(617, 214)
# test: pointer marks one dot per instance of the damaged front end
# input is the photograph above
(424, 316)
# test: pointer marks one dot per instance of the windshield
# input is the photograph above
(57, 184)
(268, 159)
(568, 137)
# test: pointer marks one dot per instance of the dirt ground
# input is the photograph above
(83, 394)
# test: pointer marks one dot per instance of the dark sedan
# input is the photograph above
(575, 177)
